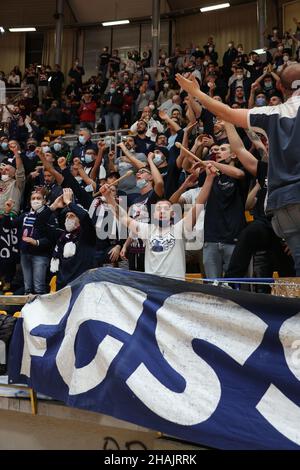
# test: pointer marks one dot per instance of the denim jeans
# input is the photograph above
(286, 224)
(34, 270)
(112, 121)
(216, 258)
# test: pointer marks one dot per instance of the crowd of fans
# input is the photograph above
(66, 209)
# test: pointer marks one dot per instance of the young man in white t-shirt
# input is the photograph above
(164, 239)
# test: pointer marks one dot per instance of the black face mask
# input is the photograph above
(140, 132)
(31, 147)
(164, 223)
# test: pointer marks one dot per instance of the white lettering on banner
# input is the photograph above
(46, 310)
(182, 318)
(120, 306)
(276, 408)
(281, 413)
(289, 333)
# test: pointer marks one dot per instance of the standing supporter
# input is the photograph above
(76, 73)
(84, 143)
(151, 187)
(42, 84)
(108, 244)
(224, 215)
(74, 252)
(12, 186)
(164, 237)
(56, 83)
(154, 127)
(142, 141)
(35, 247)
(112, 108)
(258, 235)
(87, 112)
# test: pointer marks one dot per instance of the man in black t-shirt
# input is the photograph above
(104, 59)
(259, 234)
(224, 215)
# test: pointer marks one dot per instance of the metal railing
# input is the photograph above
(112, 138)
(13, 94)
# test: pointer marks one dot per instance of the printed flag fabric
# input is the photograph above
(205, 364)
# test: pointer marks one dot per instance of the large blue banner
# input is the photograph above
(205, 364)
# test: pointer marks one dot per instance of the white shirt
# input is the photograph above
(164, 252)
(153, 125)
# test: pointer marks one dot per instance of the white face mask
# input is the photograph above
(35, 205)
(240, 77)
(46, 149)
(5, 177)
(70, 225)
(89, 188)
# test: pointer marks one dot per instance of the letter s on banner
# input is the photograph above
(276, 408)
(179, 321)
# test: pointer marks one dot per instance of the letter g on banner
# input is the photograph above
(182, 318)
(120, 306)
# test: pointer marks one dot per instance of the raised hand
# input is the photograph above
(188, 85)
(58, 203)
(189, 128)
(211, 170)
(111, 155)
(101, 145)
(8, 205)
(62, 163)
(163, 115)
(67, 195)
(190, 181)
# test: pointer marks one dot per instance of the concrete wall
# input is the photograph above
(57, 427)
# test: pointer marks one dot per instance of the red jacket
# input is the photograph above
(127, 103)
(87, 112)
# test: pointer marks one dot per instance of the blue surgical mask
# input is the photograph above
(88, 158)
(81, 139)
(57, 147)
(260, 101)
(142, 183)
(112, 90)
(4, 145)
(158, 160)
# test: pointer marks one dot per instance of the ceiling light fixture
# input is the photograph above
(215, 7)
(115, 23)
(21, 30)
